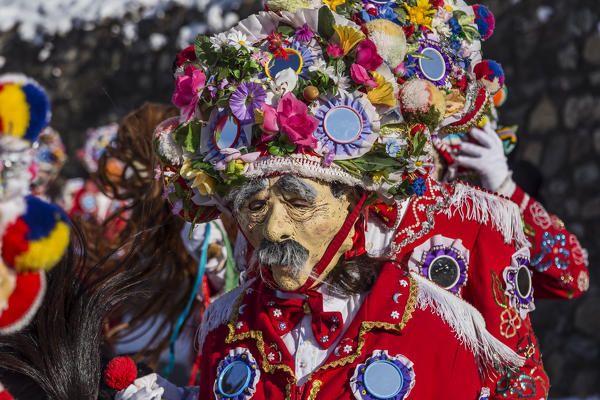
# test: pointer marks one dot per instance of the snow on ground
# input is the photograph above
(36, 18)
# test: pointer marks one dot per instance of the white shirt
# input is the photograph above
(300, 341)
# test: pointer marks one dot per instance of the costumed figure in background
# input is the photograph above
(49, 158)
(367, 272)
(558, 261)
(33, 234)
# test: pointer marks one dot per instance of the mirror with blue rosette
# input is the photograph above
(234, 379)
(342, 124)
(276, 65)
(433, 66)
(383, 379)
(226, 132)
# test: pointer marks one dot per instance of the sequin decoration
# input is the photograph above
(442, 260)
(552, 252)
(519, 288)
(237, 375)
(383, 376)
(516, 385)
(510, 322)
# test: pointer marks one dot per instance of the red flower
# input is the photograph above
(437, 3)
(462, 84)
(418, 128)
(409, 29)
(367, 56)
(187, 54)
(276, 43)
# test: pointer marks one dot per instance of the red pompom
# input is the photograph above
(120, 373)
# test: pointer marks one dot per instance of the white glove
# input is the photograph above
(144, 388)
(487, 159)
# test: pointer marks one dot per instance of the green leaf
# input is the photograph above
(286, 30)
(188, 135)
(326, 23)
(344, 10)
(401, 15)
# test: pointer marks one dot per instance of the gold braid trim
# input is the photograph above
(367, 326)
(316, 385)
(473, 122)
(260, 344)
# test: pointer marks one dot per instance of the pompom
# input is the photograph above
(120, 373)
(389, 39)
(500, 97)
(490, 74)
(422, 102)
(485, 21)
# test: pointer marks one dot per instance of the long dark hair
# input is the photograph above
(60, 354)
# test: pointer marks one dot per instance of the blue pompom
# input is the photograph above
(41, 217)
(39, 111)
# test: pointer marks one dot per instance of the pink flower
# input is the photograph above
(361, 76)
(366, 55)
(188, 88)
(400, 69)
(291, 117)
(334, 51)
(234, 154)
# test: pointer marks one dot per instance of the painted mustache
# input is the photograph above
(288, 253)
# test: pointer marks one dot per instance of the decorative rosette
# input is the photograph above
(49, 157)
(237, 375)
(319, 92)
(519, 287)
(97, 141)
(383, 376)
(442, 260)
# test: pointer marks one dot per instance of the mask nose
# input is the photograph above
(278, 227)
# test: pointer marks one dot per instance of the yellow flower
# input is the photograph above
(204, 183)
(383, 93)
(349, 37)
(334, 3)
(187, 172)
(421, 14)
(378, 176)
(259, 116)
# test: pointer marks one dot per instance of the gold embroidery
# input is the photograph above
(260, 344)
(367, 326)
(316, 385)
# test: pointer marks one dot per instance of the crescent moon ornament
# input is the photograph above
(337, 351)
(241, 310)
(396, 296)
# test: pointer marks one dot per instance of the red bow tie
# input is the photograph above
(285, 314)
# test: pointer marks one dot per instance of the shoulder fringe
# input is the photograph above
(468, 324)
(218, 313)
(475, 204)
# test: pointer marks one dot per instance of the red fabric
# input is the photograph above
(489, 256)
(554, 282)
(443, 367)
(285, 314)
(24, 301)
(14, 241)
(4, 395)
(120, 372)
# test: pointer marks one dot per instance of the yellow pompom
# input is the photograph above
(43, 254)
(14, 110)
(287, 5)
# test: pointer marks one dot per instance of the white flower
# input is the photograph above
(239, 325)
(238, 40)
(277, 313)
(218, 41)
(421, 207)
(418, 164)
(395, 315)
(285, 81)
(441, 27)
(403, 283)
(321, 66)
(347, 349)
(271, 357)
(342, 82)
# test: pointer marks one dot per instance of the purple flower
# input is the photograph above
(177, 207)
(304, 34)
(247, 97)
(168, 190)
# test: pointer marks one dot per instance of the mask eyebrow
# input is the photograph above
(298, 186)
(248, 190)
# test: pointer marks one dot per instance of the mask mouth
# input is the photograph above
(288, 255)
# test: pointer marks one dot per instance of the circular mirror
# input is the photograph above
(383, 379)
(277, 65)
(226, 132)
(342, 124)
(524, 282)
(380, 2)
(445, 271)
(434, 67)
(234, 379)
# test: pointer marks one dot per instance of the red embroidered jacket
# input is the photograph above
(558, 262)
(472, 243)
(398, 322)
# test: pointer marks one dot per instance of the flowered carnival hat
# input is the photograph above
(33, 234)
(339, 90)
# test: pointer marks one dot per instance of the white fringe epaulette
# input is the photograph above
(219, 313)
(468, 324)
(504, 216)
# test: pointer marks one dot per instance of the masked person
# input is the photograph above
(294, 122)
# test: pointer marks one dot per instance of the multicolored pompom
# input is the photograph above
(37, 239)
(485, 21)
(490, 74)
(24, 107)
(422, 102)
(500, 97)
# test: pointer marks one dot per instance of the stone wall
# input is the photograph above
(550, 51)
